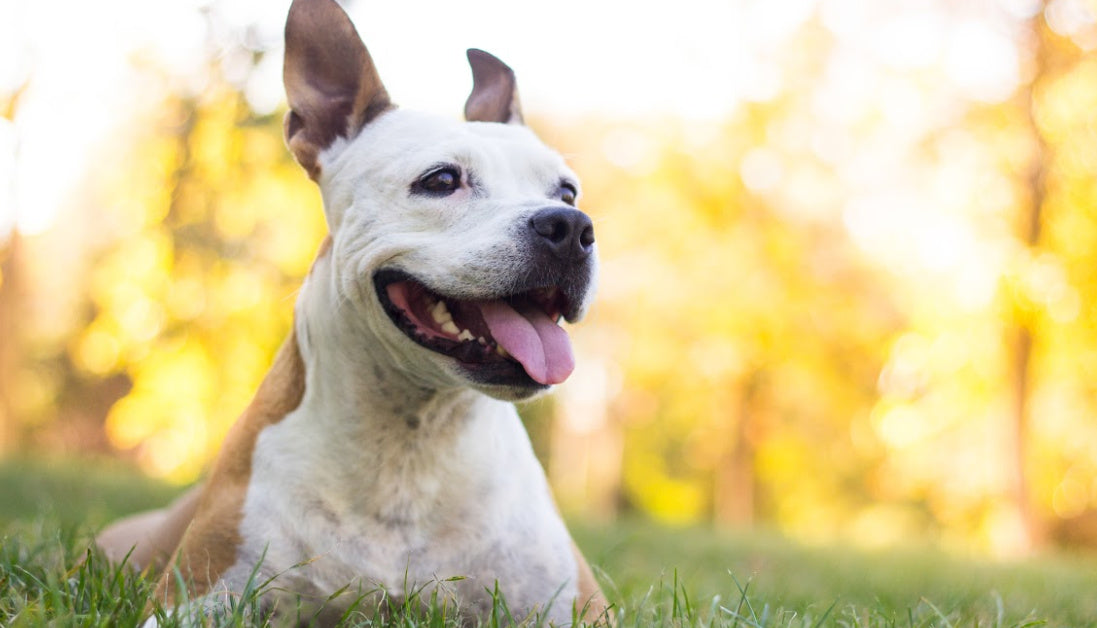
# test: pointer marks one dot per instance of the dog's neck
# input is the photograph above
(353, 381)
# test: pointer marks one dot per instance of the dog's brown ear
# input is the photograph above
(494, 96)
(331, 82)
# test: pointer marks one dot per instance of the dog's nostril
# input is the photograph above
(559, 231)
(586, 238)
(552, 227)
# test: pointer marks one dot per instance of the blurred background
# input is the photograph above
(849, 280)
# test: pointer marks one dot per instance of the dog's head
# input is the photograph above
(457, 244)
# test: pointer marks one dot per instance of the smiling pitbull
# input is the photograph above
(382, 450)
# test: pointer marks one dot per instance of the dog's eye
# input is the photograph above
(568, 193)
(440, 182)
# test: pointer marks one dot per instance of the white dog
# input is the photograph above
(382, 450)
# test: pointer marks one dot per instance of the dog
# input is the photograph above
(383, 450)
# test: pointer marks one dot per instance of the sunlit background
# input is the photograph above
(849, 284)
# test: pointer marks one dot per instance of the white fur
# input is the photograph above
(396, 470)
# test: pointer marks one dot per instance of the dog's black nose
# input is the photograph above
(567, 232)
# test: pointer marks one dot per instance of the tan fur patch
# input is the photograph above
(325, 246)
(147, 540)
(209, 546)
(590, 594)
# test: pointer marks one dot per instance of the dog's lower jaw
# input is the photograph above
(343, 317)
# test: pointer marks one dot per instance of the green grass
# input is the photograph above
(785, 583)
(654, 576)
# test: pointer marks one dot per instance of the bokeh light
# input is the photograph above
(848, 280)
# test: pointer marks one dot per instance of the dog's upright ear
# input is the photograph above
(494, 96)
(331, 83)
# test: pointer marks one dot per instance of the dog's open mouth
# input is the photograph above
(509, 340)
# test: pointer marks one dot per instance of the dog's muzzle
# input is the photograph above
(511, 338)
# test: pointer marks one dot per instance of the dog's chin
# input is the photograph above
(510, 393)
(462, 332)
(503, 381)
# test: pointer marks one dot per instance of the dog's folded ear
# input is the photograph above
(494, 96)
(331, 83)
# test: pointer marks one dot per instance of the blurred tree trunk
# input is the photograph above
(10, 302)
(10, 340)
(1020, 337)
(733, 497)
(1021, 349)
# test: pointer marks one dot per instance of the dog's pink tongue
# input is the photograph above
(542, 346)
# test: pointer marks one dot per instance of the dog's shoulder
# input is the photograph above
(209, 546)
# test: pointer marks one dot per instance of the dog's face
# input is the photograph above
(468, 239)
(457, 243)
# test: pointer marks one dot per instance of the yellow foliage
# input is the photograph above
(98, 350)
(214, 235)
(791, 335)
(669, 500)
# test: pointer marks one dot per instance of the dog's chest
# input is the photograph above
(397, 511)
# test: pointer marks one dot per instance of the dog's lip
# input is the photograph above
(456, 327)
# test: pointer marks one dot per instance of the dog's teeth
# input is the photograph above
(465, 335)
(501, 351)
(482, 341)
(440, 313)
(450, 327)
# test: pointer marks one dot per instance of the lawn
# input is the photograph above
(653, 575)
